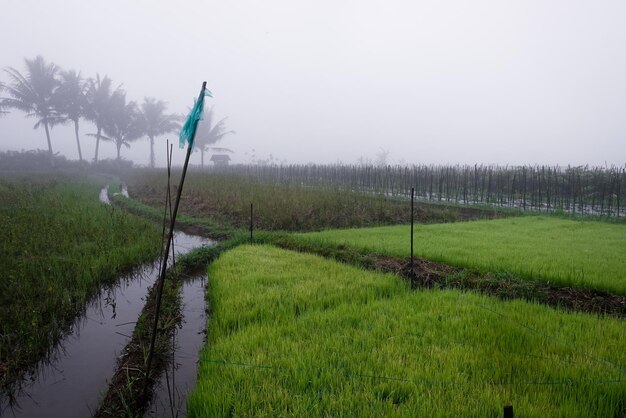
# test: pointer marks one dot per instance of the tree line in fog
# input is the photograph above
(54, 96)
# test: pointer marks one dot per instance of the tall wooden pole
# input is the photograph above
(167, 250)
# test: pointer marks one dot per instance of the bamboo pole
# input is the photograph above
(166, 252)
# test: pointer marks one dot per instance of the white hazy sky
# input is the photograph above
(441, 81)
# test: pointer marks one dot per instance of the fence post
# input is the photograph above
(251, 224)
(508, 411)
(412, 221)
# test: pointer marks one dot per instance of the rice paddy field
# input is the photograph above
(293, 334)
(224, 199)
(59, 246)
(561, 251)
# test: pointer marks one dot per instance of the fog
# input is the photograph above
(507, 82)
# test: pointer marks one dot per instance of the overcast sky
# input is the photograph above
(507, 82)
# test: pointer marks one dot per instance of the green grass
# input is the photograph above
(295, 335)
(59, 246)
(565, 252)
(199, 225)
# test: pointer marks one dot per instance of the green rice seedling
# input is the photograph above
(59, 246)
(565, 252)
(295, 335)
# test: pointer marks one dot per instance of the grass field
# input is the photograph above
(59, 246)
(225, 199)
(565, 252)
(296, 335)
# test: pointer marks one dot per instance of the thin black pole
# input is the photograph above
(508, 411)
(169, 194)
(412, 221)
(251, 222)
(167, 250)
(168, 203)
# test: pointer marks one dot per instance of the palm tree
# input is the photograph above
(156, 122)
(209, 133)
(34, 93)
(98, 98)
(123, 122)
(2, 107)
(71, 102)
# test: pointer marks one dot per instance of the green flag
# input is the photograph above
(187, 132)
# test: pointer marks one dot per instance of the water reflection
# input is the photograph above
(172, 389)
(70, 382)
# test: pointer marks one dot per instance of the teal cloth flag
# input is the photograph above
(196, 114)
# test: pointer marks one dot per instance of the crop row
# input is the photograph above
(225, 198)
(583, 190)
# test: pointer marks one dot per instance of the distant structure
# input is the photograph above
(220, 160)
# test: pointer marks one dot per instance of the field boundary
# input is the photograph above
(428, 274)
(187, 224)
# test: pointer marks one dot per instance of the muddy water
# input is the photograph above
(72, 381)
(75, 377)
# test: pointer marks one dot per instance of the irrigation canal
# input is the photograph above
(171, 392)
(73, 379)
